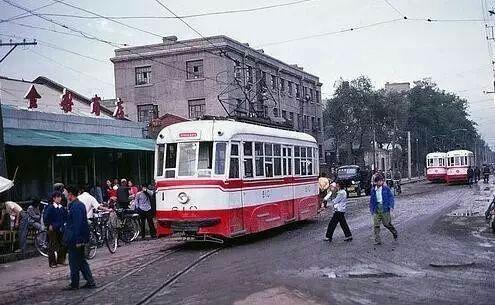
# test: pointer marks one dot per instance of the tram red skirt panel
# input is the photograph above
(232, 222)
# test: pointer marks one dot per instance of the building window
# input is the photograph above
(289, 88)
(284, 114)
(299, 123)
(143, 75)
(274, 82)
(275, 112)
(263, 77)
(313, 125)
(194, 69)
(311, 97)
(196, 108)
(319, 124)
(317, 94)
(249, 74)
(147, 112)
(237, 70)
(282, 85)
(298, 91)
(291, 116)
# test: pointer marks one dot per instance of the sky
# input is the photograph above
(453, 52)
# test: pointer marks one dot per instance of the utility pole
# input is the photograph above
(409, 154)
(3, 164)
(417, 157)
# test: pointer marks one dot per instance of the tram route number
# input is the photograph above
(183, 208)
(266, 193)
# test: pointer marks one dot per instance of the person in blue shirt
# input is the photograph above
(381, 204)
(54, 217)
(76, 235)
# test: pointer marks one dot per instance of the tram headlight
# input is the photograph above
(183, 198)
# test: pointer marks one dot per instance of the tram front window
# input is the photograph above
(187, 159)
(205, 159)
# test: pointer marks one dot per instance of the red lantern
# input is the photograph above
(33, 97)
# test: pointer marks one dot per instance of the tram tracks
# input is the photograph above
(138, 282)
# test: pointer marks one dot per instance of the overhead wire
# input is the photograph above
(225, 12)
(395, 9)
(23, 15)
(94, 38)
(55, 47)
(70, 68)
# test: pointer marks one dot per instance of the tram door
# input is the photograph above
(235, 198)
(287, 173)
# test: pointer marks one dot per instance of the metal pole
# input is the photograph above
(417, 157)
(409, 154)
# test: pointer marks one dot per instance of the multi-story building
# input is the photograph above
(216, 76)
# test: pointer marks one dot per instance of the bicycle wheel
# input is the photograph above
(41, 243)
(137, 228)
(111, 239)
(90, 248)
(127, 230)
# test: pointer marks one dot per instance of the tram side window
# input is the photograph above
(220, 151)
(170, 160)
(248, 159)
(309, 161)
(303, 161)
(234, 161)
(268, 160)
(430, 162)
(258, 152)
(289, 161)
(297, 160)
(205, 157)
(277, 160)
(284, 161)
(160, 159)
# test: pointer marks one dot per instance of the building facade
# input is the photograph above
(45, 144)
(216, 76)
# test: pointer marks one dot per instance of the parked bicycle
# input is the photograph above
(101, 233)
(128, 227)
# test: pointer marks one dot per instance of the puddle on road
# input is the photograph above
(356, 271)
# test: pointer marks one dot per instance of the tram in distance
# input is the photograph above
(458, 162)
(220, 179)
(436, 167)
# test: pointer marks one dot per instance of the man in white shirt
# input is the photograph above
(90, 202)
(339, 207)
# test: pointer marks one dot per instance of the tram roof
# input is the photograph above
(223, 130)
(436, 154)
(459, 152)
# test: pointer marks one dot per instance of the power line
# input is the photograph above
(395, 9)
(334, 32)
(54, 46)
(23, 15)
(225, 12)
(85, 35)
(94, 38)
(70, 68)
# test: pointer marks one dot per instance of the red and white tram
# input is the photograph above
(436, 166)
(458, 162)
(222, 178)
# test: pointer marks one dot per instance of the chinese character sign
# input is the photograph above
(119, 109)
(95, 105)
(66, 101)
(32, 96)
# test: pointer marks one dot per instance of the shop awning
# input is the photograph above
(31, 137)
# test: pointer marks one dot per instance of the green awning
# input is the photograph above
(31, 137)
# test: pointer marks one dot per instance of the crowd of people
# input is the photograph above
(381, 205)
(67, 217)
